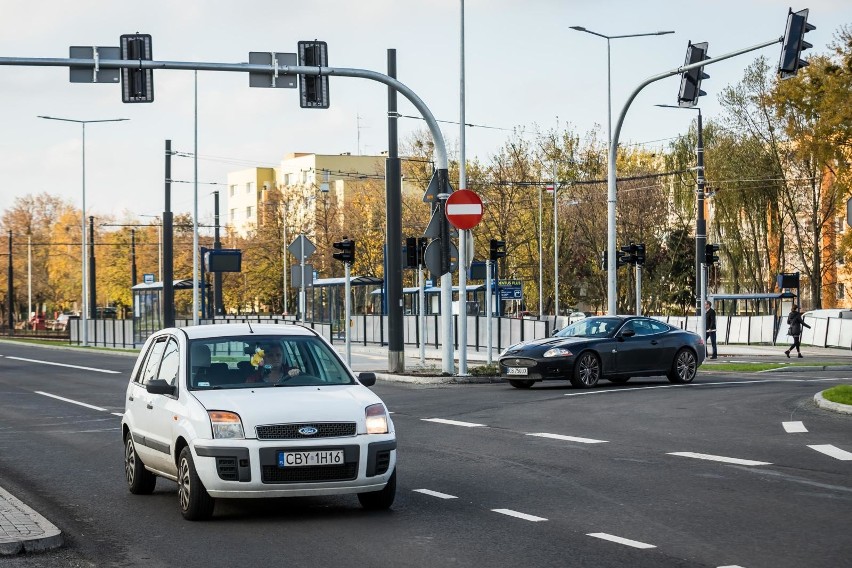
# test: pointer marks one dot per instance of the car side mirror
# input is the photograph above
(555, 331)
(367, 378)
(628, 333)
(159, 386)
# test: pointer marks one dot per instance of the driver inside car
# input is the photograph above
(271, 367)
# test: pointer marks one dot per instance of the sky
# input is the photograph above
(525, 70)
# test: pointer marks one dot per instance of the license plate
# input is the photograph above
(313, 457)
(516, 370)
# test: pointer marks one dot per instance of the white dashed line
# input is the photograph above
(718, 458)
(619, 540)
(568, 438)
(833, 451)
(731, 566)
(453, 422)
(71, 401)
(518, 515)
(695, 385)
(118, 414)
(794, 427)
(64, 365)
(435, 494)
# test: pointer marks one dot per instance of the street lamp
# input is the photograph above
(83, 312)
(612, 291)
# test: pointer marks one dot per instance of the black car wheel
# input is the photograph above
(521, 383)
(140, 481)
(684, 367)
(382, 499)
(587, 371)
(195, 503)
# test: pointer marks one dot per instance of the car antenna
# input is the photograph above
(249, 324)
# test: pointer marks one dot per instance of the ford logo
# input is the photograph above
(307, 430)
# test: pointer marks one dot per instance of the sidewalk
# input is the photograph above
(24, 530)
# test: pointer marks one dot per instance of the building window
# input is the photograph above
(249, 212)
(841, 291)
(304, 177)
(233, 215)
(248, 187)
(286, 179)
(233, 191)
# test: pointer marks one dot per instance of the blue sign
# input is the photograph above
(148, 278)
(511, 290)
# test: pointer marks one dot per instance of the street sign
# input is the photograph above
(295, 248)
(272, 79)
(433, 257)
(296, 275)
(87, 75)
(148, 278)
(464, 209)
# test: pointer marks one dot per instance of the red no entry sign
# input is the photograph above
(464, 209)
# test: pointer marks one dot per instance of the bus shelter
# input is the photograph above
(148, 307)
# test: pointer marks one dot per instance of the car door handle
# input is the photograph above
(130, 398)
(149, 406)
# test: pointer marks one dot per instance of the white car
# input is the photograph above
(200, 412)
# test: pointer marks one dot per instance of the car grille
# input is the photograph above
(227, 469)
(274, 474)
(517, 362)
(291, 431)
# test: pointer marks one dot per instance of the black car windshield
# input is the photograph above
(592, 327)
(251, 361)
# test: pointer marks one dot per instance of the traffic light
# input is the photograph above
(411, 256)
(313, 89)
(690, 81)
(137, 85)
(710, 256)
(422, 243)
(627, 255)
(640, 254)
(498, 249)
(347, 248)
(794, 43)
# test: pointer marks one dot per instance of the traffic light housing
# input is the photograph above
(710, 255)
(137, 85)
(627, 255)
(794, 43)
(690, 81)
(640, 254)
(313, 89)
(497, 249)
(411, 250)
(347, 250)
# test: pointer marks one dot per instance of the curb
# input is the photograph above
(833, 406)
(437, 380)
(795, 368)
(24, 530)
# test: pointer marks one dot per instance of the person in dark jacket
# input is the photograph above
(796, 323)
(710, 326)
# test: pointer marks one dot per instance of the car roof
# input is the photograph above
(229, 329)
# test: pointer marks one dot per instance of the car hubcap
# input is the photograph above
(183, 485)
(589, 370)
(129, 462)
(685, 366)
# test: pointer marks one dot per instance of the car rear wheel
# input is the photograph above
(684, 367)
(587, 371)
(382, 499)
(195, 503)
(140, 481)
(521, 383)
(618, 380)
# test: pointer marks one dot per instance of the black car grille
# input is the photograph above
(227, 469)
(517, 362)
(291, 431)
(382, 461)
(307, 474)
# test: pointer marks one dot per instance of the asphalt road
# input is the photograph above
(620, 475)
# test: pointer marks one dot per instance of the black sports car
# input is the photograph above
(610, 347)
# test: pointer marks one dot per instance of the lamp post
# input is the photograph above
(83, 312)
(612, 291)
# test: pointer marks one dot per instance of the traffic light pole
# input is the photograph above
(421, 311)
(638, 289)
(347, 311)
(612, 284)
(488, 315)
(700, 224)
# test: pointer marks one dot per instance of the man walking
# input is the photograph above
(710, 326)
(796, 323)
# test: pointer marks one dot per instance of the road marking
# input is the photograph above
(568, 438)
(717, 458)
(71, 401)
(833, 451)
(731, 566)
(435, 494)
(619, 540)
(118, 414)
(794, 427)
(754, 382)
(518, 515)
(64, 365)
(452, 422)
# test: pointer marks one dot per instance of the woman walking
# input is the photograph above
(795, 321)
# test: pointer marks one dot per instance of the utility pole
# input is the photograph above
(11, 290)
(218, 309)
(168, 305)
(132, 258)
(393, 196)
(93, 309)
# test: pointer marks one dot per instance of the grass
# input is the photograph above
(758, 366)
(65, 343)
(841, 394)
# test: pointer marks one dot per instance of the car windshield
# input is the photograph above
(592, 327)
(263, 361)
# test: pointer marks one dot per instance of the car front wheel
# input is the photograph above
(382, 499)
(195, 503)
(521, 383)
(683, 367)
(587, 371)
(140, 481)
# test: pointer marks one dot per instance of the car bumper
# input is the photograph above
(557, 368)
(249, 468)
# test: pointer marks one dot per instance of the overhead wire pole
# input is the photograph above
(613, 150)
(195, 286)
(464, 234)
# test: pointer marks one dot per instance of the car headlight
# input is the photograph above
(558, 352)
(226, 425)
(377, 419)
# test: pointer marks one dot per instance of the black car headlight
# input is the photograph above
(558, 352)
